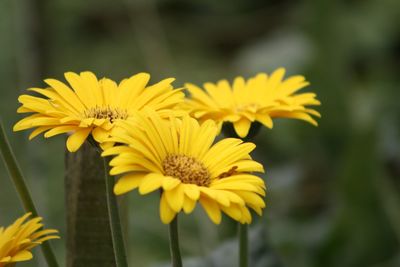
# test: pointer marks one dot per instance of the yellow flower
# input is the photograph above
(260, 99)
(93, 106)
(178, 157)
(18, 239)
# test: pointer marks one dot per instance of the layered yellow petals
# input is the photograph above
(177, 157)
(259, 99)
(18, 239)
(89, 106)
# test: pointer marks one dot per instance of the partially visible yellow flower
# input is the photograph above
(260, 98)
(178, 157)
(92, 106)
(18, 239)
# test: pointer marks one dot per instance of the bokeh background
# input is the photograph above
(333, 191)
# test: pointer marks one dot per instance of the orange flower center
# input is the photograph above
(187, 169)
(107, 112)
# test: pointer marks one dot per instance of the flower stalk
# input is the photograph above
(115, 222)
(174, 243)
(243, 245)
(22, 189)
(243, 239)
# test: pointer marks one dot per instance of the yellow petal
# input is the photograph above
(38, 131)
(132, 87)
(222, 198)
(60, 129)
(242, 127)
(265, 119)
(175, 197)
(212, 209)
(192, 191)
(84, 94)
(189, 205)
(5, 259)
(150, 183)
(127, 183)
(236, 186)
(166, 213)
(241, 178)
(233, 211)
(295, 115)
(200, 95)
(276, 78)
(23, 255)
(257, 209)
(99, 134)
(251, 198)
(115, 150)
(42, 233)
(66, 93)
(126, 168)
(246, 215)
(41, 240)
(169, 183)
(75, 141)
(91, 83)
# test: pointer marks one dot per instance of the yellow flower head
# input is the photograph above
(260, 99)
(178, 157)
(18, 239)
(92, 106)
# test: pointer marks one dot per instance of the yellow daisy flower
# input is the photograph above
(259, 99)
(178, 157)
(18, 239)
(92, 106)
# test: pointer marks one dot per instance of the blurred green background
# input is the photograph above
(333, 191)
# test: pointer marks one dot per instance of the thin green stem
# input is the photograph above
(174, 243)
(115, 222)
(123, 203)
(22, 189)
(229, 131)
(243, 245)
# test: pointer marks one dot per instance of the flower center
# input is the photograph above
(248, 107)
(107, 112)
(187, 169)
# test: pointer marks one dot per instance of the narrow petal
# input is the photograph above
(127, 183)
(150, 183)
(75, 141)
(169, 183)
(192, 191)
(166, 213)
(265, 119)
(60, 130)
(175, 197)
(99, 134)
(212, 209)
(242, 127)
(233, 211)
(23, 255)
(38, 131)
(189, 205)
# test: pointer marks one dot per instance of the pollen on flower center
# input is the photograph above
(187, 169)
(110, 113)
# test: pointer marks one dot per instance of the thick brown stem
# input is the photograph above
(89, 240)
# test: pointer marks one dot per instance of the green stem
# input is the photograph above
(174, 243)
(243, 245)
(115, 222)
(229, 131)
(22, 189)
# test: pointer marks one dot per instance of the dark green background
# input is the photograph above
(333, 191)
